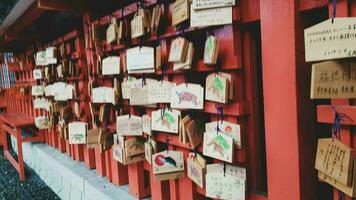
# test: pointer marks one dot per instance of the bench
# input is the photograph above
(13, 124)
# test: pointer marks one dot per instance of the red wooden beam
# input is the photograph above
(326, 114)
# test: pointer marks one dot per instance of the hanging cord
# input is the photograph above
(219, 111)
(336, 130)
(334, 11)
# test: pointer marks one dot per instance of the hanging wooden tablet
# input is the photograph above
(210, 17)
(158, 58)
(146, 63)
(134, 146)
(116, 87)
(333, 79)
(211, 50)
(230, 80)
(105, 140)
(77, 132)
(42, 103)
(204, 4)
(178, 50)
(187, 96)
(219, 146)
(160, 92)
(120, 32)
(42, 122)
(119, 155)
(327, 40)
(37, 90)
(196, 169)
(129, 125)
(146, 125)
(37, 74)
(41, 58)
(335, 160)
(137, 27)
(348, 190)
(139, 96)
(167, 164)
(187, 64)
(217, 88)
(227, 128)
(194, 133)
(183, 138)
(126, 87)
(165, 120)
(111, 65)
(76, 109)
(111, 32)
(180, 12)
(150, 149)
(228, 185)
(93, 138)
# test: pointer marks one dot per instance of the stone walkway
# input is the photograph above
(32, 189)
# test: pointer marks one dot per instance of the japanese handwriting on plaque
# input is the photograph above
(104, 95)
(211, 17)
(77, 132)
(335, 160)
(129, 125)
(219, 146)
(349, 190)
(226, 128)
(42, 103)
(327, 40)
(165, 120)
(180, 11)
(160, 92)
(203, 4)
(229, 185)
(333, 79)
(111, 65)
(140, 60)
(187, 96)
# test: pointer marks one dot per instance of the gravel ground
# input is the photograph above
(32, 189)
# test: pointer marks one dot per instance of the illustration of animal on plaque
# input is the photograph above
(168, 161)
(219, 146)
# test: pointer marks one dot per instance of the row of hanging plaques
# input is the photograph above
(332, 42)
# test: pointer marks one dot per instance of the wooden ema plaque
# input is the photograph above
(327, 40)
(333, 79)
(335, 160)
(180, 11)
(348, 190)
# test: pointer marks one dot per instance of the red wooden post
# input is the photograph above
(119, 171)
(100, 162)
(89, 158)
(108, 161)
(288, 110)
(136, 180)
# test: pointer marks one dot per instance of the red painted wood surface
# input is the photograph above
(286, 103)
